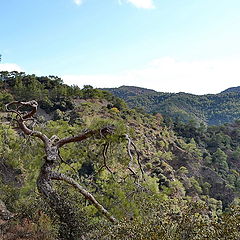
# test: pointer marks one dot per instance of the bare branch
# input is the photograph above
(77, 138)
(86, 194)
(33, 104)
(103, 132)
(130, 143)
(13, 110)
(130, 154)
(105, 149)
(28, 116)
(138, 158)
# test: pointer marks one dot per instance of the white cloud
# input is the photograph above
(168, 75)
(10, 67)
(78, 2)
(148, 4)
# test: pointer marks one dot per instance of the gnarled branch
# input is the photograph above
(102, 132)
(85, 193)
(22, 118)
(130, 143)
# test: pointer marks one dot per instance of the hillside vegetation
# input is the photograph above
(190, 188)
(212, 109)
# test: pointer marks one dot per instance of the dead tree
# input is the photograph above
(68, 219)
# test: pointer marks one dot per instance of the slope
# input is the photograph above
(212, 109)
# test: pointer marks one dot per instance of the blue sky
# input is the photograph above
(166, 45)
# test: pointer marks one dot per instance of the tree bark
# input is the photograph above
(69, 227)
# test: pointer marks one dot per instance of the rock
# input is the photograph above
(5, 215)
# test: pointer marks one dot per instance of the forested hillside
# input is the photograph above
(232, 89)
(156, 177)
(212, 109)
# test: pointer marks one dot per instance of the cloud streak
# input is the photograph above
(10, 67)
(78, 2)
(168, 75)
(147, 4)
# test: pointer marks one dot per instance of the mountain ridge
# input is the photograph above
(232, 89)
(212, 109)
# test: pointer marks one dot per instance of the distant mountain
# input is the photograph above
(212, 109)
(232, 89)
(129, 91)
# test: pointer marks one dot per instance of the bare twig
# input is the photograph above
(86, 194)
(130, 143)
(21, 119)
(99, 132)
(130, 155)
(138, 159)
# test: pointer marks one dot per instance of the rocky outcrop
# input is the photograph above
(5, 217)
(5, 214)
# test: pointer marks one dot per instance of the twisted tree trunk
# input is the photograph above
(69, 228)
(69, 223)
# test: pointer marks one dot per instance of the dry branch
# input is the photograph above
(130, 143)
(86, 194)
(52, 146)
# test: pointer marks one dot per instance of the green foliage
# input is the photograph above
(49, 91)
(5, 98)
(211, 109)
(219, 159)
(58, 115)
(205, 187)
(182, 170)
(195, 185)
(191, 170)
(175, 219)
(192, 148)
